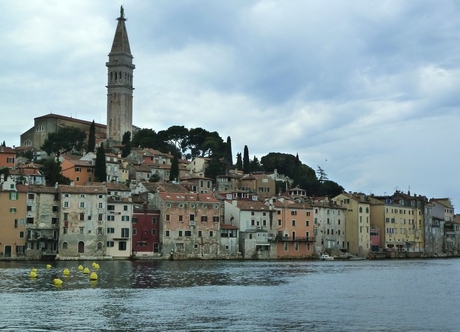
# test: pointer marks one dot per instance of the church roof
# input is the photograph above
(120, 41)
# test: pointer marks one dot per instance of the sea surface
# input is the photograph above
(387, 295)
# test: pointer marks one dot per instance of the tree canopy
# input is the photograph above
(64, 140)
(52, 171)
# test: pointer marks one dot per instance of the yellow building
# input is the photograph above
(400, 220)
(357, 222)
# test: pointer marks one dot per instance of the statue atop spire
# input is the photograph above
(122, 12)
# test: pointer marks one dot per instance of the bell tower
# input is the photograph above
(119, 84)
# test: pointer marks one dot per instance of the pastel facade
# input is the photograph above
(77, 170)
(119, 220)
(256, 223)
(294, 234)
(12, 221)
(357, 226)
(190, 225)
(330, 225)
(7, 157)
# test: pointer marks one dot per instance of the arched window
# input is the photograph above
(64, 245)
(40, 128)
(27, 142)
(99, 246)
(81, 247)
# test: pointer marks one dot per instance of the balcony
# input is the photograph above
(294, 239)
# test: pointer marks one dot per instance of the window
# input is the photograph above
(111, 207)
(293, 222)
(15, 223)
(204, 218)
(77, 179)
(82, 216)
(78, 170)
(307, 223)
(82, 204)
(167, 233)
(82, 230)
(154, 231)
(167, 217)
(124, 218)
(293, 213)
(308, 213)
(125, 232)
(110, 218)
(154, 220)
(99, 231)
(110, 230)
(296, 246)
(211, 233)
(215, 219)
(66, 204)
(30, 196)
(122, 245)
(156, 247)
(13, 210)
(285, 246)
(110, 244)
(64, 245)
(13, 196)
(188, 233)
(100, 205)
(180, 233)
(200, 233)
(279, 222)
(181, 218)
(125, 207)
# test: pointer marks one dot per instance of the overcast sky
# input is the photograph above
(368, 90)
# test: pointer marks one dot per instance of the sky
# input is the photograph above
(366, 90)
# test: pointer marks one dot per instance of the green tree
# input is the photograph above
(246, 165)
(215, 167)
(322, 176)
(254, 165)
(64, 140)
(5, 171)
(52, 171)
(174, 172)
(126, 142)
(100, 171)
(239, 161)
(330, 188)
(92, 137)
(228, 151)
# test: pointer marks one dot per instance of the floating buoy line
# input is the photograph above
(93, 277)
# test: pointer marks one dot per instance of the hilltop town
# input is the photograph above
(150, 204)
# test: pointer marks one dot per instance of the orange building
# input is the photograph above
(77, 170)
(12, 222)
(7, 157)
(295, 229)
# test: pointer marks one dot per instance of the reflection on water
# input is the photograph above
(417, 295)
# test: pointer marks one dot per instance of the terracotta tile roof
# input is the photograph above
(57, 116)
(82, 189)
(43, 189)
(187, 197)
(252, 205)
(227, 226)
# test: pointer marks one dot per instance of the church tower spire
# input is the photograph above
(120, 84)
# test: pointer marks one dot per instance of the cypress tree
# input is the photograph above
(92, 137)
(239, 161)
(246, 164)
(100, 171)
(174, 172)
(229, 153)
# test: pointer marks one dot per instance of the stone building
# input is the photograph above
(120, 69)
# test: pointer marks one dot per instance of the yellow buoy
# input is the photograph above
(93, 276)
(48, 266)
(80, 268)
(86, 270)
(33, 274)
(57, 281)
(96, 266)
(94, 263)
(34, 269)
(66, 272)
